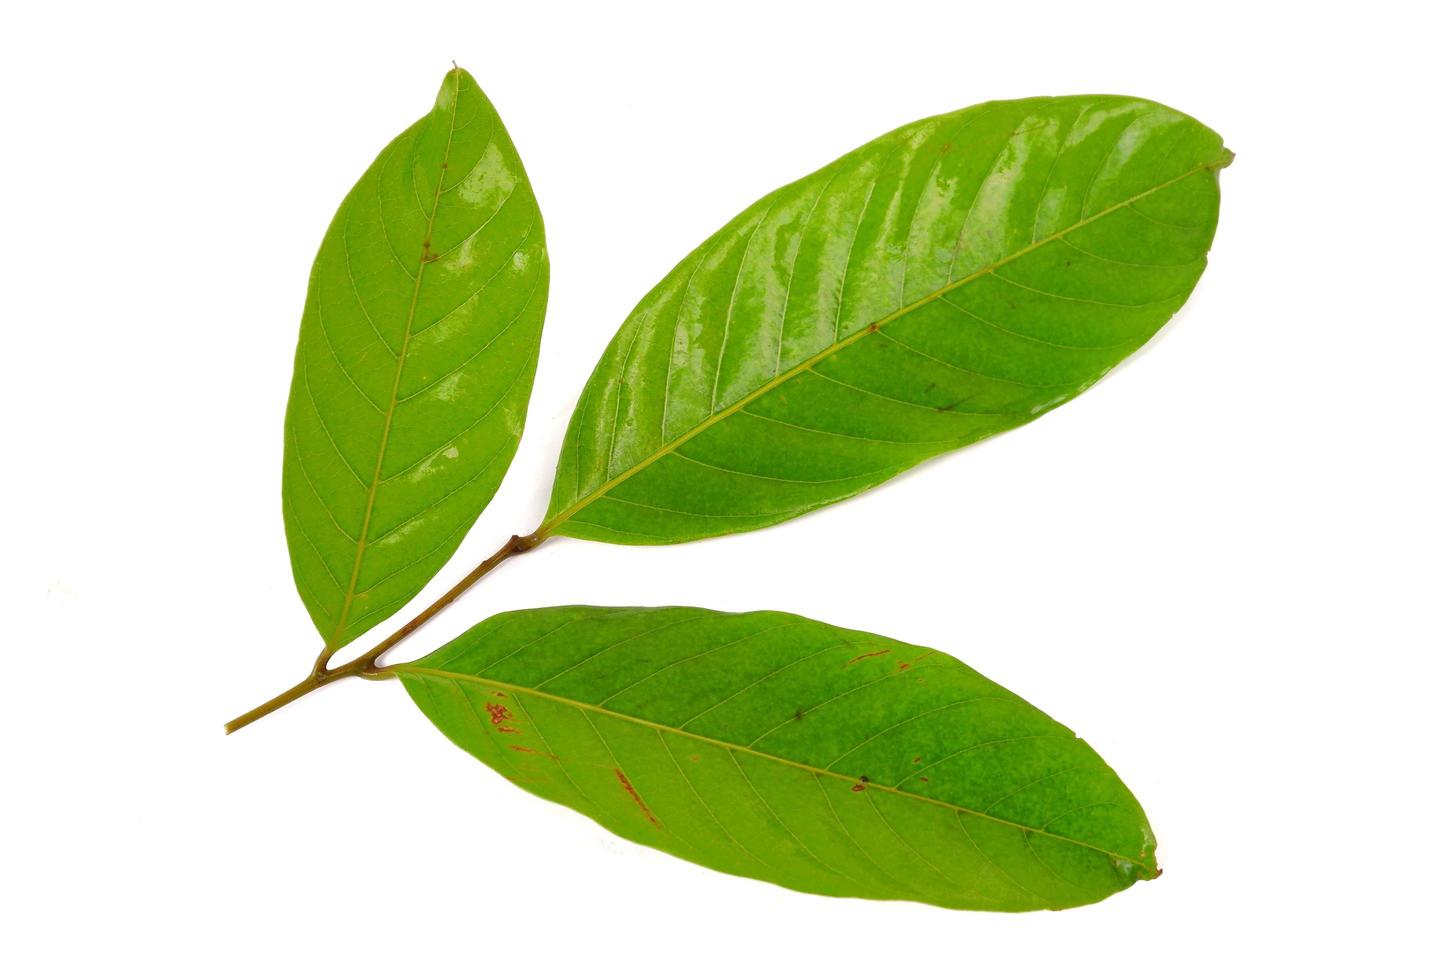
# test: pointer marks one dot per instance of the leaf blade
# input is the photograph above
(414, 363)
(780, 748)
(727, 403)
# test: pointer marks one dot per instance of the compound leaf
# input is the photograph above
(414, 365)
(950, 280)
(780, 748)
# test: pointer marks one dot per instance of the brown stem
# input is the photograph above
(307, 686)
(310, 683)
(366, 665)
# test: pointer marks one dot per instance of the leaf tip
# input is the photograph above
(1135, 871)
(454, 82)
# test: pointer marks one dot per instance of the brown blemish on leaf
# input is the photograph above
(499, 715)
(532, 751)
(634, 795)
(860, 784)
(907, 665)
(866, 656)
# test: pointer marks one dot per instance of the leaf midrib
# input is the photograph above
(423, 261)
(550, 525)
(730, 747)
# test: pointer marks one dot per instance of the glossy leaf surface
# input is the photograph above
(415, 363)
(780, 748)
(953, 279)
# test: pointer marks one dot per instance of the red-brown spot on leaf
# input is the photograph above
(634, 795)
(499, 715)
(866, 656)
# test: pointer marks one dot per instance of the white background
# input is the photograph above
(1224, 566)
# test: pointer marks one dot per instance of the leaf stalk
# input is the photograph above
(366, 665)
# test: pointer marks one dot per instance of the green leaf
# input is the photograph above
(776, 747)
(415, 362)
(950, 280)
